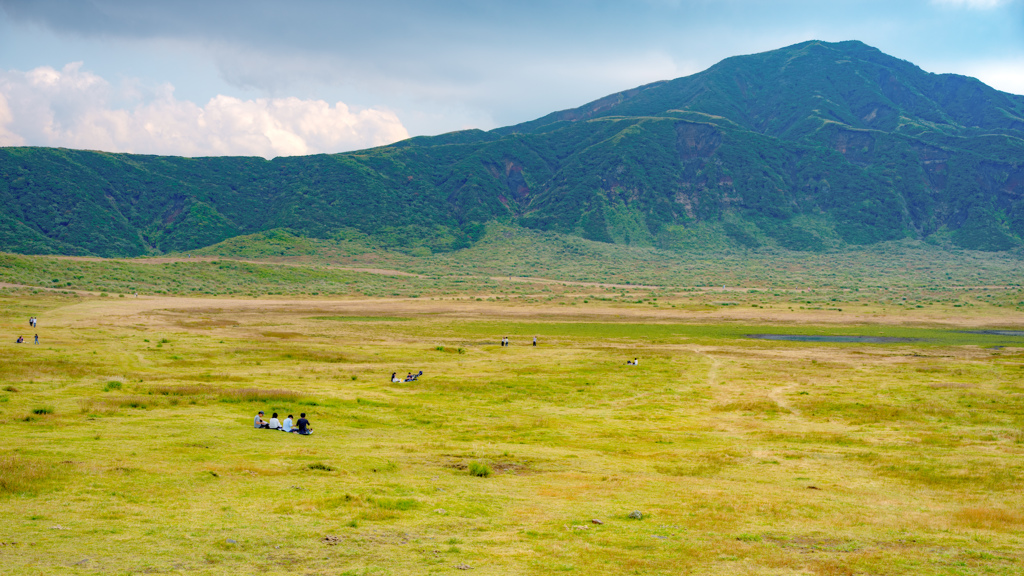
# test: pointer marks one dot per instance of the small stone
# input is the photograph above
(596, 521)
(813, 488)
(463, 567)
(441, 511)
(636, 515)
(230, 541)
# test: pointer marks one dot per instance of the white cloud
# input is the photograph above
(75, 108)
(1007, 75)
(7, 138)
(973, 4)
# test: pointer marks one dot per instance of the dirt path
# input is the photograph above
(778, 396)
(711, 379)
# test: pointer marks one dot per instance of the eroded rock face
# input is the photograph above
(697, 140)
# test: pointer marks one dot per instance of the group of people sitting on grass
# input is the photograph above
(300, 427)
(633, 362)
(408, 377)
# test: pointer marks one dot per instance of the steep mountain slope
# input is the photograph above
(812, 146)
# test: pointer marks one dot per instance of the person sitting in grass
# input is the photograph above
(259, 422)
(302, 426)
(286, 426)
(412, 376)
(395, 378)
(274, 423)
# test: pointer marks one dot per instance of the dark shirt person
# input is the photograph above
(302, 426)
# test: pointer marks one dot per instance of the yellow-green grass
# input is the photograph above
(128, 443)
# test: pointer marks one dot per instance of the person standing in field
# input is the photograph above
(534, 340)
(37, 338)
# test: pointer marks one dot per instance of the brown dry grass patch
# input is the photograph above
(989, 518)
(763, 404)
(19, 474)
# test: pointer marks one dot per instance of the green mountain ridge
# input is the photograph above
(811, 147)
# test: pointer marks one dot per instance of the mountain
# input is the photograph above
(810, 147)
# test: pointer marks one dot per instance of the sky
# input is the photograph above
(269, 78)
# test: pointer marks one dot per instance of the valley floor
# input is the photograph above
(129, 447)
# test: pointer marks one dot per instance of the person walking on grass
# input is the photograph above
(37, 338)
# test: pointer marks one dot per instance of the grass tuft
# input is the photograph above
(19, 474)
(479, 469)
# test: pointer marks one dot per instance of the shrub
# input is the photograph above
(320, 466)
(112, 385)
(479, 469)
(42, 410)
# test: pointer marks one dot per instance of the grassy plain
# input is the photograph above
(128, 447)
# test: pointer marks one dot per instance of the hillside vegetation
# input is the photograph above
(814, 147)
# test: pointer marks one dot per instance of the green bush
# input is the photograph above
(479, 469)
